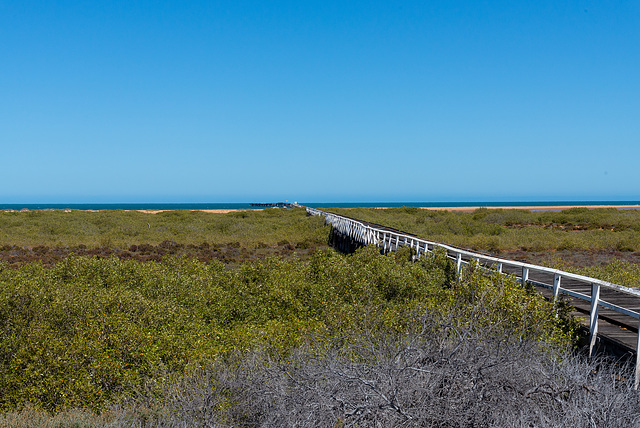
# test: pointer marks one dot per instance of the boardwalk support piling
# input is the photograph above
(525, 275)
(556, 286)
(593, 318)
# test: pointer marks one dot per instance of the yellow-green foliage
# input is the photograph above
(88, 330)
(497, 230)
(124, 228)
(618, 271)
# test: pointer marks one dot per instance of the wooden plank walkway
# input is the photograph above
(619, 328)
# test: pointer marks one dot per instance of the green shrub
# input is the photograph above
(88, 330)
(125, 228)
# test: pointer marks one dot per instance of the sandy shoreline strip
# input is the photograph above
(460, 209)
(219, 211)
(535, 208)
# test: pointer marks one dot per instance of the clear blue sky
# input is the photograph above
(237, 101)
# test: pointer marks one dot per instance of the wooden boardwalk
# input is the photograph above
(615, 327)
(609, 312)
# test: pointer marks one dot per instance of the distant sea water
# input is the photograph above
(239, 206)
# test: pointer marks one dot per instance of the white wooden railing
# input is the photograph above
(390, 240)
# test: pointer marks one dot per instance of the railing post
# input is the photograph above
(593, 318)
(499, 267)
(525, 275)
(556, 286)
(459, 263)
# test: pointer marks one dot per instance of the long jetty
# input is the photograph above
(612, 311)
(285, 204)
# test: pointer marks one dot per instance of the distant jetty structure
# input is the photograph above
(285, 204)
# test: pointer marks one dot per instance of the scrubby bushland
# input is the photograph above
(447, 372)
(232, 238)
(230, 253)
(121, 229)
(450, 365)
(88, 331)
(617, 271)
